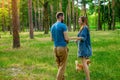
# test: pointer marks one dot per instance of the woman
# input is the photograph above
(84, 44)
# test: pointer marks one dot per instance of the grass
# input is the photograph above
(35, 59)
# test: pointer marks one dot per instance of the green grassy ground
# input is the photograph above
(35, 59)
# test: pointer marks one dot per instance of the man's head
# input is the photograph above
(60, 16)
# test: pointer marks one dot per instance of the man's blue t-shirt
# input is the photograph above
(57, 32)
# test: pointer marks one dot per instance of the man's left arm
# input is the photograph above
(51, 37)
(66, 36)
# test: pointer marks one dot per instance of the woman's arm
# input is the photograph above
(83, 36)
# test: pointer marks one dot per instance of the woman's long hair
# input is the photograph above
(84, 20)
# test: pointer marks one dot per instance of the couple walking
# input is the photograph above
(60, 38)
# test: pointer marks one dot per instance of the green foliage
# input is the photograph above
(24, 14)
(93, 20)
(4, 12)
(93, 8)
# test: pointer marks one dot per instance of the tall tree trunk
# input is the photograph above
(51, 9)
(69, 16)
(84, 8)
(3, 17)
(38, 7)
(77, 17)
(57, 6)
(9, 14)
(60, 5)
(85, 11)
(99, 16)
(35, 15)
(18, 8)
(113, 14)
(16, 39)
(104, 14)
(45, 18)
(30, 18)
(64, 3)
(95, 22)
(73, 15)
(41, 19)
(109, 16)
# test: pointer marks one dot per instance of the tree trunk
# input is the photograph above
(95, 16)
(60, 5)
(51, 10)
(104, 15)
(99, 16)
(84, 8)
(3, 17)
(9, 14)
(109, 16)
(35, 15)
(69, 16)
(45, 18)
(30, 18)
(18, 8)
(73, 15)
(113, 14)
(77, 17)
(41, 19)
(16, 39)
(38, 15)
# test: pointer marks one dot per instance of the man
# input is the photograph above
(60, 37)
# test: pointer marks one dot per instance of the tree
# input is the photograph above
(3, 17)
(38, 8)
(104, 15)
(113, 14)
(60, 5)
(117, 11)
(99, 16)
(109, 15)
(69, 15)
(16, 39)
(9, 14)
(30, 18)
(45, 16)
(73, 16)
(51, 11)
(84, 7)
(18, 2)
(64, 9)
(76, 16)
(24, 23)
(41, 19)
(35, 14)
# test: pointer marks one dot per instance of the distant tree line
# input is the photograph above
(39, 15)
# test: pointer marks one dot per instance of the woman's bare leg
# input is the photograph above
(85, 67)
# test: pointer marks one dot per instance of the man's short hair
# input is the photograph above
(59, 14)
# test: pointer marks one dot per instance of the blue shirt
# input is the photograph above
(57, 32)
(84, 45)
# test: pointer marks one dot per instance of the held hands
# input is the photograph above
(73, 39)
